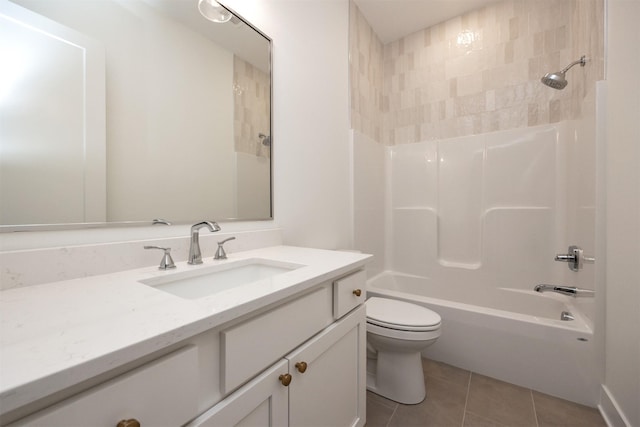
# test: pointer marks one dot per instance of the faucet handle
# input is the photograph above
(220, 253)
(166, 262)
(574, 258)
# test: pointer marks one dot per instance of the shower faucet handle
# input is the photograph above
(575, 258)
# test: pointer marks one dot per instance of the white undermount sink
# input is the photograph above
(201, 282)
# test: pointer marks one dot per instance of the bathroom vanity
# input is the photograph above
(280, 342)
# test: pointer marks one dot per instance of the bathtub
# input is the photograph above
(509, 334)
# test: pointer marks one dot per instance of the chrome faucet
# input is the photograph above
(565, 290)
(195, 256)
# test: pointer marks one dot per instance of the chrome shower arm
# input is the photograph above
(582, 61)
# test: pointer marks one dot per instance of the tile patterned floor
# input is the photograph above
(460, 398)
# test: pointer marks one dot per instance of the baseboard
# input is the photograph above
(610, 410)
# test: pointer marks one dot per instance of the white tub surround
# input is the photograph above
(513, 335)
(490, 209)
(58, 335)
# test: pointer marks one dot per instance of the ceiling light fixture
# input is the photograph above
(214, 11)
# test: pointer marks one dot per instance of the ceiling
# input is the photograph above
(394, 19)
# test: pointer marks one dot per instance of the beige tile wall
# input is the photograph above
(366, 63)
(251, 100)
(476, 73)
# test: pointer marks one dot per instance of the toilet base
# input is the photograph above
(397, 376)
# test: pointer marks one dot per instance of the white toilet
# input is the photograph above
(397, 332)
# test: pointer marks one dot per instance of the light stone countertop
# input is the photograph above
(56, 335)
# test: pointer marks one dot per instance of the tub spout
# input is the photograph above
(565, 290)
(566, 316)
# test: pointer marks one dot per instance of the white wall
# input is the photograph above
(369, 195)
(622, 370)
(312, 196)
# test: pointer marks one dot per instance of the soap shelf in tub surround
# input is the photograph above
(62, 343)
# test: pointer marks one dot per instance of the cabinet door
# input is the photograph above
(261, 402)
(330, 390)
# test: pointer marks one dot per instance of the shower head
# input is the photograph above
(558, 80)
(266, 139)
(555, 80)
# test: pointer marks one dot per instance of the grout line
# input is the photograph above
(535, 411)
(392, 414)
(466, 400)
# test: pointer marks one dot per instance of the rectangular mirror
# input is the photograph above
(124, 111)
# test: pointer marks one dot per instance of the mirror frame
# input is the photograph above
(121, 224)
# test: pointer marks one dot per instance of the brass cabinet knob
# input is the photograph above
(285, 379)
(301, 367)
(129, 423)
(357, 292)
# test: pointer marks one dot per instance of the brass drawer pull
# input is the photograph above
(357, 292)
(301, 367)
(129, 423)
(285, 379)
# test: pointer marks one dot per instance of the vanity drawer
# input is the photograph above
(349, 292)
(251, 346)
(161, 393)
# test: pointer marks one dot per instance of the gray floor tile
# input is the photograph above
(456, 397)
(378, 414)
(433, 369)
(442, 390)
(552, 411)
(430, 413)
(375, 398)
(444, 406)
(500, 402)
(473, 420)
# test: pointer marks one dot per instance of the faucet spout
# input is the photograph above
(195, 256)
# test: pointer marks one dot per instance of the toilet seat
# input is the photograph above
(403, 327)
(400, 334)
(401, 316)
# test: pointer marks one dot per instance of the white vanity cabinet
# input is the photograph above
(298, 362)
(322, 382)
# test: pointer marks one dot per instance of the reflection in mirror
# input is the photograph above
(129, 110)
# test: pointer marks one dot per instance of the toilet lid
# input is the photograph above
(396, 314)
